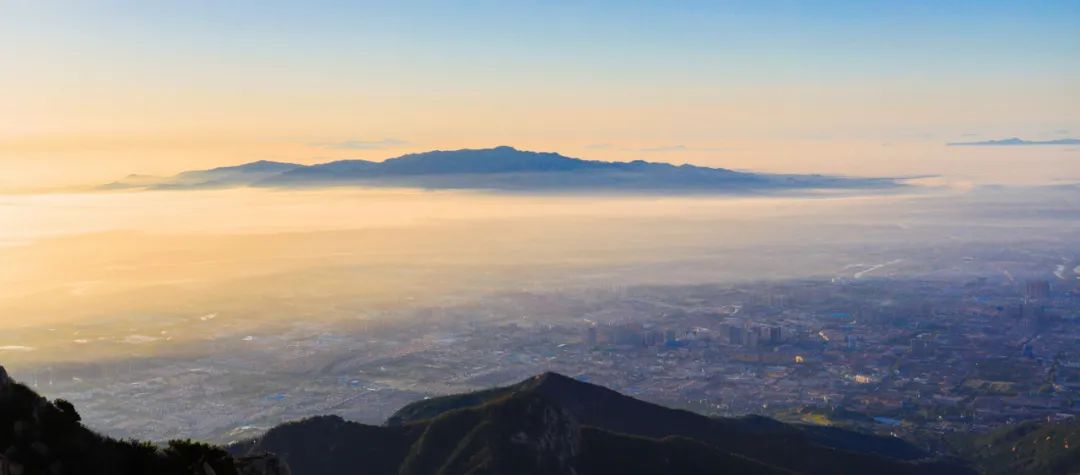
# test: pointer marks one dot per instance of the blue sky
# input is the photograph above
(851, 35)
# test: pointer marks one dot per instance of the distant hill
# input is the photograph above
(1029, 447)
(42, 437)
(222, 177)
(552, 424)
(501, 168)
(1014, 141)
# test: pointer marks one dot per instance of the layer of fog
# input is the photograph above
(136, 274)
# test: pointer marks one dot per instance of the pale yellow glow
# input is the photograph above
(136, 263)
(71, 135)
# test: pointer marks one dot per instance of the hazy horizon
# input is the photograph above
(184, 254)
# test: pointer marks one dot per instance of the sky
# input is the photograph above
(91, 91)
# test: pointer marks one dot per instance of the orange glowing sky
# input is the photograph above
(93, 91)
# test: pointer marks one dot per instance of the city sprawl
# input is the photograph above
(967, 347)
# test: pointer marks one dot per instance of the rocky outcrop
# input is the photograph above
(42, 437)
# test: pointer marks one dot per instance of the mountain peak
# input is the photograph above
(552, 376)
(552, 381)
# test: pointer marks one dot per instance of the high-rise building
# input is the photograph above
(776, 334)
(590, 336)
(626, 334)
(652, 337)
(751, 339)
(1033, 311)
(736, 335)
(1037, 290)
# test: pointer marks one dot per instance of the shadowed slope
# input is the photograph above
(757, 438)
(554, 424)
(1029, 447)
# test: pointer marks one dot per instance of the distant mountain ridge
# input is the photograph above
(221, 177)
(1015, 141)
(501, 168)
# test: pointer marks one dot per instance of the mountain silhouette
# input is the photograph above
(221, 177)
(503, 169)
(1015, 141)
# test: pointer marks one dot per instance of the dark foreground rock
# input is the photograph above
(38, 436)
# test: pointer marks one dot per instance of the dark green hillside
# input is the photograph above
(428, 408)
(554, 424)
(609, 452)
(330, 444)
(793, 447)
(1030, 447)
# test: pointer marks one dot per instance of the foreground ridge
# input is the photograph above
(551, 423)
(546, 424)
